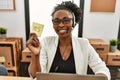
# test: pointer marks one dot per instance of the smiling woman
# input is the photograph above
(34, 14)
(96, 25)
(54, 54)
(93, 23)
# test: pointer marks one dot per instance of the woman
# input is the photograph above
(64, 53)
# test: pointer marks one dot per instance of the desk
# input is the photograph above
(113, 64)
(25, 61)
(10, 54)
(114, 58)
(13, 78)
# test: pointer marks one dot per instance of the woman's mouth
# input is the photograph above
(62, 31)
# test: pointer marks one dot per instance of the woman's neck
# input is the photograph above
(65, 45)
(65, 41)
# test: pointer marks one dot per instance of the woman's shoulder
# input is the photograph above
(81, 39)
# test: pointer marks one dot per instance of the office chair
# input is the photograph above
(3, 71)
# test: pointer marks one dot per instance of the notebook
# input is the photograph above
(65, 76)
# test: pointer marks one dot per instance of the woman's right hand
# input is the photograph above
(33, 44)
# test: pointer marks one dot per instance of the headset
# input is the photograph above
(74, 23)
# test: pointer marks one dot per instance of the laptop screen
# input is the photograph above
(65, 76)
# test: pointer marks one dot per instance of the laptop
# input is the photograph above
(65, 76)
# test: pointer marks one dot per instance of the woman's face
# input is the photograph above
(62, 23)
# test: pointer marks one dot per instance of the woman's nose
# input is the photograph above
(61, 24)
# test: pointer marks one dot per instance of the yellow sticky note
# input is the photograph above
(37, 28)
(2, 59)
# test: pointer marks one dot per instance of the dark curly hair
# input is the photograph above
(71, 7)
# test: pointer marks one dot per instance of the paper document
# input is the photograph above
(37, 28)
(2, 59)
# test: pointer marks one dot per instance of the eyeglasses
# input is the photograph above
(64, 21)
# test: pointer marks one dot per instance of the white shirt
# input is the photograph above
(84, 55)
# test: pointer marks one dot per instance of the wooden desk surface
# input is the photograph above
(14, 78)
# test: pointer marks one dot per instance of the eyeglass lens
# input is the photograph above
(64, 21)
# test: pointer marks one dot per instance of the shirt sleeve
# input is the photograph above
(96, 64)
(43, 56)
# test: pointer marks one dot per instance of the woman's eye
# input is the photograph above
(66, 20)
(56, 21)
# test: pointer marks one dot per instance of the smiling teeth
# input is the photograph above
(62, 31)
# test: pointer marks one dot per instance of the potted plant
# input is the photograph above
(3, 32)
(113, 44)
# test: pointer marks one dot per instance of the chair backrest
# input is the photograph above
(3, 71)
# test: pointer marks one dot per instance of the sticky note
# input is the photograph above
(37, 28)
(2, 59)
